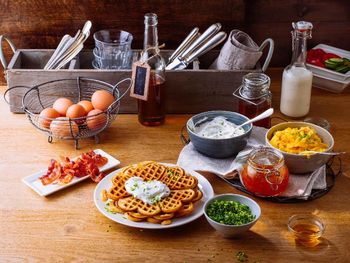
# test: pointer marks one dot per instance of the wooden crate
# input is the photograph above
(191, 90)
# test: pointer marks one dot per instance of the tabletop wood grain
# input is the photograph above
(66, 226)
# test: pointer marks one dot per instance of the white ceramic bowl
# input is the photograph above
(233, 230)
(297, 163)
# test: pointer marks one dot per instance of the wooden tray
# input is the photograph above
(187, 91)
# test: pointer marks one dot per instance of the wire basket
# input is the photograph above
(43, 96)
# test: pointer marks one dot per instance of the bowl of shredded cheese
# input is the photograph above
(300, 143)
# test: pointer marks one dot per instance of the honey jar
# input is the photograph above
(265, 173)
(255, 97)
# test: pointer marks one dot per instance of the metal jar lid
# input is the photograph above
(255, 86)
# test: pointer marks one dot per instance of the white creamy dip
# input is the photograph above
(149, 192)
(218, 128)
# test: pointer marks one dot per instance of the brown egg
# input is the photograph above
(61, 105)
(46, 115)
(87, 105)
(75, 111)
(61, 128)
(101, 99)
(96, 122)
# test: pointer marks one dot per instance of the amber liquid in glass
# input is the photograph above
(251, 111)
(307, 234)
(152, 111)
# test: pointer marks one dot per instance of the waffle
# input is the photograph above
(176, 199)
(117, 190)
(147, 170)
(185, 210)
(183, 187)
(132, 204)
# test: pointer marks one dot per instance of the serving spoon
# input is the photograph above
(259, 117)
(323, 153)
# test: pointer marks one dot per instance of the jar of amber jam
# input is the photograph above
(265, 173)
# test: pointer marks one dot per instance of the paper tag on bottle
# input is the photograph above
(140, 80)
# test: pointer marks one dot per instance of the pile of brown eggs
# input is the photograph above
(58, 119)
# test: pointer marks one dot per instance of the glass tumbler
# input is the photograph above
(112, 49)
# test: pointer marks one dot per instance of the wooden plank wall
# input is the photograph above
(41, 23)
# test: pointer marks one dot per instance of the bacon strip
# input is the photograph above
(63, 172)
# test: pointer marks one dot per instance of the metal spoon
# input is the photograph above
(323, 153)
(261, 116)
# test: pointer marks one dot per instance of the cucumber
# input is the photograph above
(336, 60)
(330, 65)
(342, 69)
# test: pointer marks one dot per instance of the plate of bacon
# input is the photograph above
(66, 172)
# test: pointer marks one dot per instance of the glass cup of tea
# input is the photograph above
(307, 229)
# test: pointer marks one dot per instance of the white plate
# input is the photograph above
(329, 84)
(330, 74)
(106, 183)
(34, 182)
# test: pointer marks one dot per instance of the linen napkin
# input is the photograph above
(239, 52)
(299, 186)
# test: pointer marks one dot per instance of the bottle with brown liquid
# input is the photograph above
(152, 111)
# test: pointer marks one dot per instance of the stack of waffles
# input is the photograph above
(184, 192)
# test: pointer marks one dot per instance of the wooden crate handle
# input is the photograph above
(269, 54)
(2, 57)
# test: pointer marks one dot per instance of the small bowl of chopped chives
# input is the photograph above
(231, 214)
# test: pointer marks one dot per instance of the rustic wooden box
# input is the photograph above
(191, 90)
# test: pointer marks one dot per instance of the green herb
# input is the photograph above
(170, 173)
(108, 209)
(155, 199)
(230, 212)
(241, 256)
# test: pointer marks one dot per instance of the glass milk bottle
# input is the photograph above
(152, 111)
(297, 79)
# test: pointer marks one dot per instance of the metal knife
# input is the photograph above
(192, 36)
(181, 62)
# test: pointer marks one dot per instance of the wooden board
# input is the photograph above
(67, 227)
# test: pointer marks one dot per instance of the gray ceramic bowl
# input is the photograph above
(219, 148)
(300, 164)
(233, 230)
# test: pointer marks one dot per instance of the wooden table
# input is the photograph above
(67, 226)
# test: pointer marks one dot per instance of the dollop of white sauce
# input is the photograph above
(149, 192)
(218, 128)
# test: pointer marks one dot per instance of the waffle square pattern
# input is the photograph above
(184, 193)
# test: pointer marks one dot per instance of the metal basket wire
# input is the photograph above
(44, 95)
